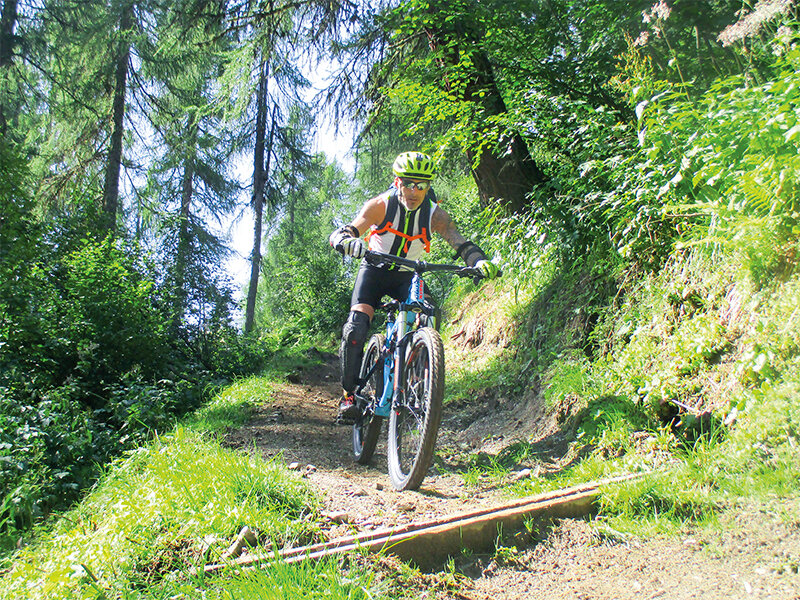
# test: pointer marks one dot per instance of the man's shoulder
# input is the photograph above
(381, 198)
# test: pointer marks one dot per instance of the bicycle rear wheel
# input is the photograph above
(414, 420)
(367, 427)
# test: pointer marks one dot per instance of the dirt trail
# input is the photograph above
(758, 556)
(298, 423)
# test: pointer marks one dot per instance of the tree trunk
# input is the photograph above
(8, 21)
(184, 237)
(259, 180)
(114, 165)
(290, 208)
(506, 173)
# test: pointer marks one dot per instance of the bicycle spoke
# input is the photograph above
(415, 420)
(368, 425)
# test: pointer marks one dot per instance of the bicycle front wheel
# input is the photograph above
(367, 427)
(414, 420)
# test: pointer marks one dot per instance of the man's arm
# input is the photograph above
(371, 213)
(347, 239)
(442, 224)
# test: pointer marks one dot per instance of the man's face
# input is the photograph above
(412, 196)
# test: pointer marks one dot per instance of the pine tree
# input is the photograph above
(189, 179)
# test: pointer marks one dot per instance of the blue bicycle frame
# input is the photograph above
(399, 326)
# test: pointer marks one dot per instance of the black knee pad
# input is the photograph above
(354, 334)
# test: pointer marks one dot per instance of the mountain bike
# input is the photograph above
(402, 378)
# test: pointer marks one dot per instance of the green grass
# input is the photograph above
(323, 580)
(701, 332)
(483, 468)
(232, 406)
(174, 505)
(150, 516)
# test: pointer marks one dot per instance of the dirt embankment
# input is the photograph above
(758, 556)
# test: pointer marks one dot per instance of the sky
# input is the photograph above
(335, 146)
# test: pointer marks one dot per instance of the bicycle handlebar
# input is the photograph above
(380, 258)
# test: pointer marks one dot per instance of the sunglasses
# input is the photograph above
(413, 185)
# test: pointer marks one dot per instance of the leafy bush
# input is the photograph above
(152, 517)
(88, 367)
(228, 354)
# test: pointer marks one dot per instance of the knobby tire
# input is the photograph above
(414, 421)
(367, 427)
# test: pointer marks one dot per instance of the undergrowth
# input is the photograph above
(168, 508)
(692, 378)
(674, 348)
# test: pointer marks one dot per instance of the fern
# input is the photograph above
(759, 198)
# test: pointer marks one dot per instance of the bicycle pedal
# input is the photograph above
(344, 420)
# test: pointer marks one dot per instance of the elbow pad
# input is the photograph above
(470, 253)
(339, 235)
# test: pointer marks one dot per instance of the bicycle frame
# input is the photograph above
(398, 333)
(410, 361)
(403, 318)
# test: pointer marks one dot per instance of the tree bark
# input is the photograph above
(114, 164)
(8, 21)
(259, 184)
(506, 173)
(184, 236)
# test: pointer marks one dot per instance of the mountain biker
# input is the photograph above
(400, 222)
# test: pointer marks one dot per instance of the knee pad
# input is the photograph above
(354, 334)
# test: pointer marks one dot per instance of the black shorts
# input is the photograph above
(373, 283)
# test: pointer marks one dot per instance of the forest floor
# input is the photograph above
(755, 552)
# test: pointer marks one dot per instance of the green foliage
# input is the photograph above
(718, 167)
(87, 368)
(227, 353)
(148, 519)
(739, 165)
(305, 286)
(763, 448)
(606, 416)
(104, 305)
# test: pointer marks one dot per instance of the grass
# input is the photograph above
(702, 333)
(323, 580)
(174, 505)
(152, 513)
(232, 406)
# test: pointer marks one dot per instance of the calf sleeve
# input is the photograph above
(354, 334)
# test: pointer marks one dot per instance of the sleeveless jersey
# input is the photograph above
(402, 232)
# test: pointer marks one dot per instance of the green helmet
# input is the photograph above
(414, 165)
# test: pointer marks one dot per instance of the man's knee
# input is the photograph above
(356, 328)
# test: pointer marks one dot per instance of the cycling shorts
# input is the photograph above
(373, 283)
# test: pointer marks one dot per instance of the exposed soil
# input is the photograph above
(757, 556)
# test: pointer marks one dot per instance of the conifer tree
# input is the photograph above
(190, 185)
(8, 41)
(270, 46)
(121, 59)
